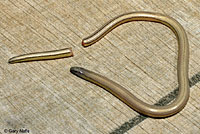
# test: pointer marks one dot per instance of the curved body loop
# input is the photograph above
(122, 93)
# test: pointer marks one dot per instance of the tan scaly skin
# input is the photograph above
(47, 55)
(117, 90)
(122, 93)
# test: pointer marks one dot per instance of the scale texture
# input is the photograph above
(44, 97)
